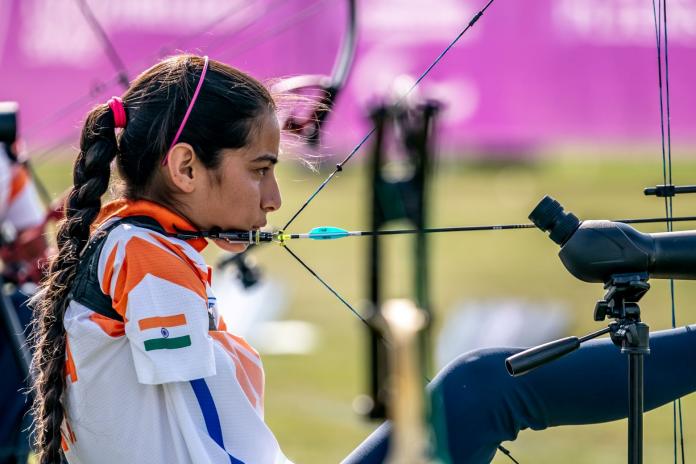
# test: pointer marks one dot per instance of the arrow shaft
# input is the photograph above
(433, 230)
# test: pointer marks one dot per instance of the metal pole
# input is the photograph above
(635, 408)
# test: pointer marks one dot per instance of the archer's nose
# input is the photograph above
(270, 195)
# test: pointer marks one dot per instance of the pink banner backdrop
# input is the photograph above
(529, 73)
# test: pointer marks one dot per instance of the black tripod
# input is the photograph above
(627, 332)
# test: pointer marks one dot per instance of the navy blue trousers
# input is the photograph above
(484, 406)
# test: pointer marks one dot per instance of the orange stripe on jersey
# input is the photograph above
(20, 179)
(71, 434)
(70, 370)
(222, 325)
(111, 327)
(162, 321)
(66, 432)
(249, 375)
(109, 271)
(143, 258)
(254, 372)
(246, 345)
(179, 251)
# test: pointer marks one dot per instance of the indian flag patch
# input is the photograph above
(164, 331)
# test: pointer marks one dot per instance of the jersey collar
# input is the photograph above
(170, 221)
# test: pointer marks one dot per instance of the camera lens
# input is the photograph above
(549, 216)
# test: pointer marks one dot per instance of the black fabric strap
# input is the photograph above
(86, 289)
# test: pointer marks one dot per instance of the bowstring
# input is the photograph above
(660, 18)
(328, 287)
(401, 99)
(339, 168)
(500, 448)
(677, 407)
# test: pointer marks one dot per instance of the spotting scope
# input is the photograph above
(594, 251)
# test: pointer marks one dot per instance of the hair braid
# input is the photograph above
(91, 174)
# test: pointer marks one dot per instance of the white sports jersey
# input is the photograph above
(19, 202)
(160, 387)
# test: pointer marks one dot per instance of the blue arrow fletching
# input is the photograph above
(327, 233)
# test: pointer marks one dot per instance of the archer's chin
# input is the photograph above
(231, 247)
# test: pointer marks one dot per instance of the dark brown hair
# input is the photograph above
(224, 116)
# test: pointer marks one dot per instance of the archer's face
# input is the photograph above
(243, 190)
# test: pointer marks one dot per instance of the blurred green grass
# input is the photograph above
(308, 399)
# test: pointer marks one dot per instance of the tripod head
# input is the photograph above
(621, 300)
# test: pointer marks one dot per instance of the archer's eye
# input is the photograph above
(262, 171)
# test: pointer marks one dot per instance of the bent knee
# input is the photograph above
(479, 369)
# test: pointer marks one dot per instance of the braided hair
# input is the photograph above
(224, 116)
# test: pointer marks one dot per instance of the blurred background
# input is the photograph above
(554, 97)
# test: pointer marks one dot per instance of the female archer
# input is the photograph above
(133, 362)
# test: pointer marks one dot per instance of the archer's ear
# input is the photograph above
(183, 167)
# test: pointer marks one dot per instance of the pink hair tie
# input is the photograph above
(188, 110)
(116, 105)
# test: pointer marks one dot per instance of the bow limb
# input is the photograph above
(328, 87)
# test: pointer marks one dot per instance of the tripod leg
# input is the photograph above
(635, 408)
(635, 342)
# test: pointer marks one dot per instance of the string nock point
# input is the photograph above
(281, 237)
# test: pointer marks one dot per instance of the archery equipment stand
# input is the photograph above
(620, 302)
(409, 127)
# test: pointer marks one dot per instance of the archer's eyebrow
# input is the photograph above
(271, 158)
